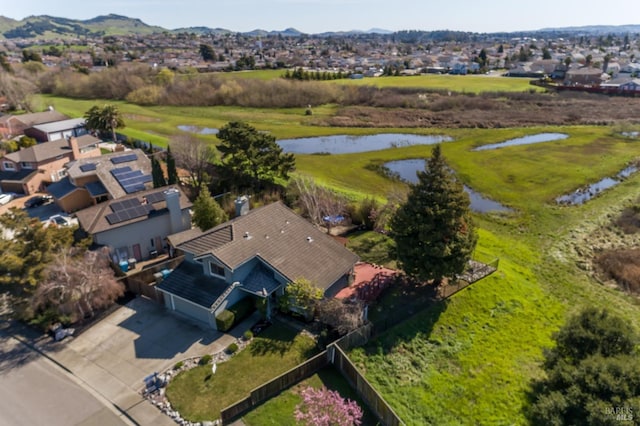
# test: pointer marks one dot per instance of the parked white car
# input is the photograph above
(59, 220)
(5, 198)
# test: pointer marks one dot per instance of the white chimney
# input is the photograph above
(172, 198)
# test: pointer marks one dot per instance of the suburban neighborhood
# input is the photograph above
(462, 227)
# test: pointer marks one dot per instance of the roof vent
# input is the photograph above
(309, 239)
(247, 236)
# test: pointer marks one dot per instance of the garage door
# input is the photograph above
(194, 311)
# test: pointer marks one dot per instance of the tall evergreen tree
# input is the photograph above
(157, 174)
(433, 229)
(172, 171)
(207, 213)
(252, 159)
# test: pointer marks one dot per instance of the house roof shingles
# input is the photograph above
(35, 118)
(61, 188)
(94, 219)
(20, 176)
(260, 281)
(103, 167)
(207, 241)
(188, 282)
(282, 239)
(48, 150)
(58, 126)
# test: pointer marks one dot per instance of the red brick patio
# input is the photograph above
(369, 282)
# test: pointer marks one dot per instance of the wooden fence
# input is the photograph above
(143, 282)
(332, 355)
(275, 386)
(355, 338)
(335, 355)
(369, 395)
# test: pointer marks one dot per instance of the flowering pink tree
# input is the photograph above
(323, 407)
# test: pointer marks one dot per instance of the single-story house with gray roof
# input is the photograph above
(256, 255)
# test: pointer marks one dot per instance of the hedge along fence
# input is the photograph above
(275, 386)
(364, 389)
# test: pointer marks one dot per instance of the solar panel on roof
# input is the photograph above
(130, 189)
(131, 180)
(112, 218)
(128, 214)
(125, 204)
(124, 158)
(88, 167)
(120, 170)
(155, 197)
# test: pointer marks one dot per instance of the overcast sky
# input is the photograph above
(314, 16)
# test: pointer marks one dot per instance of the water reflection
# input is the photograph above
(525, 140)
(348, 144)
(583, 195)
(407, 169)
(200, 130)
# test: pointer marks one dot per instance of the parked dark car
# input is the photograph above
(38, 200)
(260, 326)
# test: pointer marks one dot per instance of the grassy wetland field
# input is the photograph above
(471, 361)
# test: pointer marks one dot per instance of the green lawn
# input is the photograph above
(457, 83)
(485, 345)
(278, 411)
(373, 247)
(198, 395)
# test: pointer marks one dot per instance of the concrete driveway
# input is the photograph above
(117, 353)
(141, 338)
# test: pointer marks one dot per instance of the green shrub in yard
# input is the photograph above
(232, 348)
(224, 320)
(206, 359)
(248, 335)
(178, 365)
(242, 309)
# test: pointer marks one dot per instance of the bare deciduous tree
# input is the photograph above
(18, 91)
(77, 283)
(194, 155)
(342, 316)
(317, 202)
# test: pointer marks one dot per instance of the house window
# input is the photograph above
(26, 165)
(216, 269)
(61, 173)
(8, 165)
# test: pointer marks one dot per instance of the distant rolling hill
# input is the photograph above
(45, 26)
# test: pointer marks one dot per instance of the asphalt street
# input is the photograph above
(35, 391)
